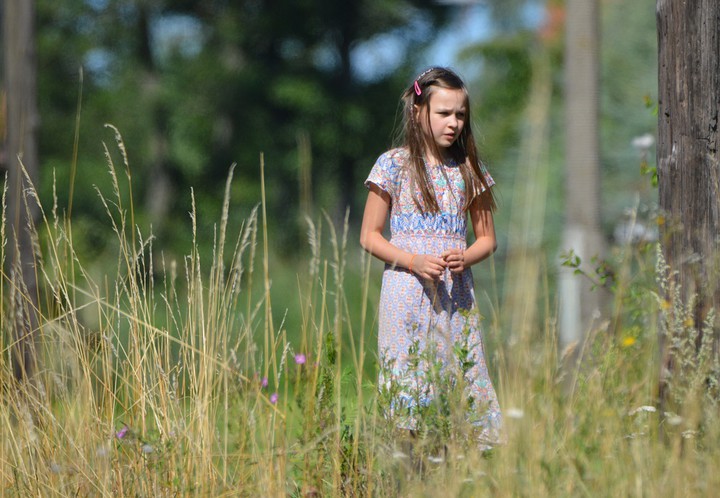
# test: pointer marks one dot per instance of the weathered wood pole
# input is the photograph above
(687, 150)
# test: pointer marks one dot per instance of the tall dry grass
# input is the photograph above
(175, 378)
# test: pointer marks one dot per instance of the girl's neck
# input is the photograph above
(431, 156)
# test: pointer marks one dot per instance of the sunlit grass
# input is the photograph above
(186, 377)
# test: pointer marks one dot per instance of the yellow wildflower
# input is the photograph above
(628, 341)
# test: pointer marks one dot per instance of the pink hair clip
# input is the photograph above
(417, 88)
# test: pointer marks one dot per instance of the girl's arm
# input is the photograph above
(485, 243)
(372, 240)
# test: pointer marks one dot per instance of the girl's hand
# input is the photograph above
(428, 267)
(454, 259)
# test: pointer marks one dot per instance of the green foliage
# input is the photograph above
(434, 398)
(197, 86)
(174, 344)
(500, 97)
(629, 85)
(173, 377)
(692, 362)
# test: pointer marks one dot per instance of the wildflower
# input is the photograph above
(643, 142)
(397, 455)
(645, 408)
(146, 448)
(300, 359)
(675, 420)
(122, 432)
(628, 341)
(264, 382)
(273, 398)
(635, 435)
(516, 413)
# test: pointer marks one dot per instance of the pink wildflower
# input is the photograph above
(264, 382)
(300, 359)
(122, 432)
(273, 398)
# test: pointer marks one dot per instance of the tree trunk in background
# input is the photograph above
(21, 151)
(344, 37)
(687, 150)
(579, 304)
(160, 189)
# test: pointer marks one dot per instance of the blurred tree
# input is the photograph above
(582, 235)
(514, 63)
(687, 153)
(21, 161)
(197, 85)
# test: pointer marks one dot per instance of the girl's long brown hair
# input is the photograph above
(462, 151)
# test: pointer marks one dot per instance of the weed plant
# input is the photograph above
(181, 378)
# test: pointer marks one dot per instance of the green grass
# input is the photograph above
(151, 381)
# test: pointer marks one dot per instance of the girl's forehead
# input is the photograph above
(448, 97)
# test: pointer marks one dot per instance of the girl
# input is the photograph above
(428, 186)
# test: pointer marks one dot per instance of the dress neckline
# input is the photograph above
(450, 163)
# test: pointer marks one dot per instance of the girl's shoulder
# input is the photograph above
(387, 173)
(397, 156)
(393, 161)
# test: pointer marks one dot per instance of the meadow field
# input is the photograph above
(230, 373)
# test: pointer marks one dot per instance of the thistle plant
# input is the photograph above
(430, 398)
(691, 365)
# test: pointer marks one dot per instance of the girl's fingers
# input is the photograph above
(455, 260)
(427, 268)
(432, 267)
(452, 255)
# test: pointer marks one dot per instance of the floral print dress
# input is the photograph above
(415, 314)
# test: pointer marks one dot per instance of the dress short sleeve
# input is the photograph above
(386, 173)
(486, 176)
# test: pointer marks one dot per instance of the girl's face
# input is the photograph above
(446, 110)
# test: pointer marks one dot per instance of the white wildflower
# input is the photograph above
(675, 420)
(688, 434)
(643, 142)
(398, 455)
(644, 408)
(516, 413)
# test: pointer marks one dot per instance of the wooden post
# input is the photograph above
(687, 150)
(21, 152)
